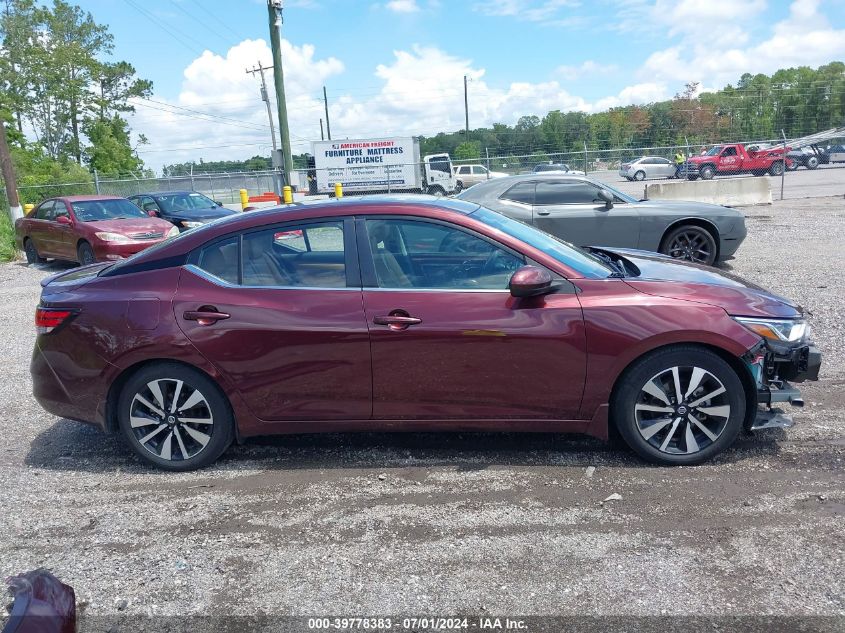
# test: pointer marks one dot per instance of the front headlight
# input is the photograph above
(172, 232)
(781, 330)
(188, 224)
(112, 237)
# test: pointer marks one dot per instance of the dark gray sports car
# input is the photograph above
(586, 212)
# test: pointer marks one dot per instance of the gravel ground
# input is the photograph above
(436, 523)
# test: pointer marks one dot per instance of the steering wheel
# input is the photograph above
(498, 262)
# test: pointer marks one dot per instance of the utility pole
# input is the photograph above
(274, 14)
(326, 104)
(266, 99)
(322, 136)
(8, 171)
(466, 108)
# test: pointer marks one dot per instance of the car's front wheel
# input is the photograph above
(175, 417)
(85, 254)
(680, 405)
(690, 243)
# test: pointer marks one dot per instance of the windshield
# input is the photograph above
(714, 151)
(186, 201)
(94, 210)
(567, 254)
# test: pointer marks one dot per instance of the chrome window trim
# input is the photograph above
(193, 268)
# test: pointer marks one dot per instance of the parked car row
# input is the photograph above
(87, 229)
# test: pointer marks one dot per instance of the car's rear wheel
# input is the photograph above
(640, 175)
(793, 166)
(32, 256)
(690, 243)
(680, 405)
(812, 162)
(175, 417)
(459, 187)
(85, 254)
(776, 169)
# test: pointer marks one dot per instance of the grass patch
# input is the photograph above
(8, 251)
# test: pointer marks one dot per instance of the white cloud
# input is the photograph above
(403, 6)
(546, 11)
(736, 53)
(587, 68)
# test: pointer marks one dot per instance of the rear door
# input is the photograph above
(661, 168)
(40, 230)
(279, 311)
(572, 211)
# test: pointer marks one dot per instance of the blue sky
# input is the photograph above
(397, 66)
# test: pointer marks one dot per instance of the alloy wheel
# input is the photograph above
(691, 245)
(171, 419)
(682, 410)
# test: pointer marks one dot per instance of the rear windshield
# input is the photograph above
(94, 210)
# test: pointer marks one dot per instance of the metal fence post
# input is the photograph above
(783, 168)
(586, 167)
(96, 182)
(193, 188)
(387, 175)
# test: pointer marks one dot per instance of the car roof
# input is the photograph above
(92, 197)
(162, 193)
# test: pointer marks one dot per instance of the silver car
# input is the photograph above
(647, 167)
(587, 212)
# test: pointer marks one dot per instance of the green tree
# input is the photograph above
(110, 152)
(468, 150)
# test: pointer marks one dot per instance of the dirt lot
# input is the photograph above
(437, 524)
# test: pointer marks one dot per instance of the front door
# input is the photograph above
(449, 342)
(729, 160)
(572, 211)
(278, 311)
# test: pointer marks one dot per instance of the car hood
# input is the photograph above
(131, 226)
(662, 276)
(688, 207)
(199, 215)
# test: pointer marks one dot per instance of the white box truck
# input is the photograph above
(389, 164)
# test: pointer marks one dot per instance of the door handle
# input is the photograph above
(206, 315)
(543, 212)
(397, 322)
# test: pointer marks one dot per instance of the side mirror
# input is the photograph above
(530, 281)
(63, 219)
(218, 203)
(605, 195)
(152, 213)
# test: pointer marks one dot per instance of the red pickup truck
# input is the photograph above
(733, 158)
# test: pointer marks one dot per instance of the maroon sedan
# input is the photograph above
(411, 313)
(87, 229)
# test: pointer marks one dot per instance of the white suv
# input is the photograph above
(469, 175)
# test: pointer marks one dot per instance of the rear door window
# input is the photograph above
(521, 192)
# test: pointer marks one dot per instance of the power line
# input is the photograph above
(152, 18)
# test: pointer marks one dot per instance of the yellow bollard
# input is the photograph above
(338, 190)
(244, 199)
(27, 208)
(287, 194)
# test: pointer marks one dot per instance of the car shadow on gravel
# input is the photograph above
(73, 446)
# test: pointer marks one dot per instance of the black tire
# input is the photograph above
(812, 162)
(692, 177)
(719, 419)
(437, 191)
(707, 172)
(459, 187)
(85, 254)
(690, 242)
(777, 168)
(793, 166)
(32, 256)
(186, 448)
(639, 175)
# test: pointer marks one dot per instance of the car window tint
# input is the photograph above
(60, 209)
(308, 255)
(463, 170)
(521, 192)
(730, 151)
(45, 211)
(221, 260)
(415, 254)
(479, 171)
(566, 192)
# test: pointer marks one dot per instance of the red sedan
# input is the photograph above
(408, 314)
(87, 229)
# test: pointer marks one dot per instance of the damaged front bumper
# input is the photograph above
(773, 367)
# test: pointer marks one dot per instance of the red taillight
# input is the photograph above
(48, 319)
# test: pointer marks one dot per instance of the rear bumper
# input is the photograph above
(109, 251)
(57, 398)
